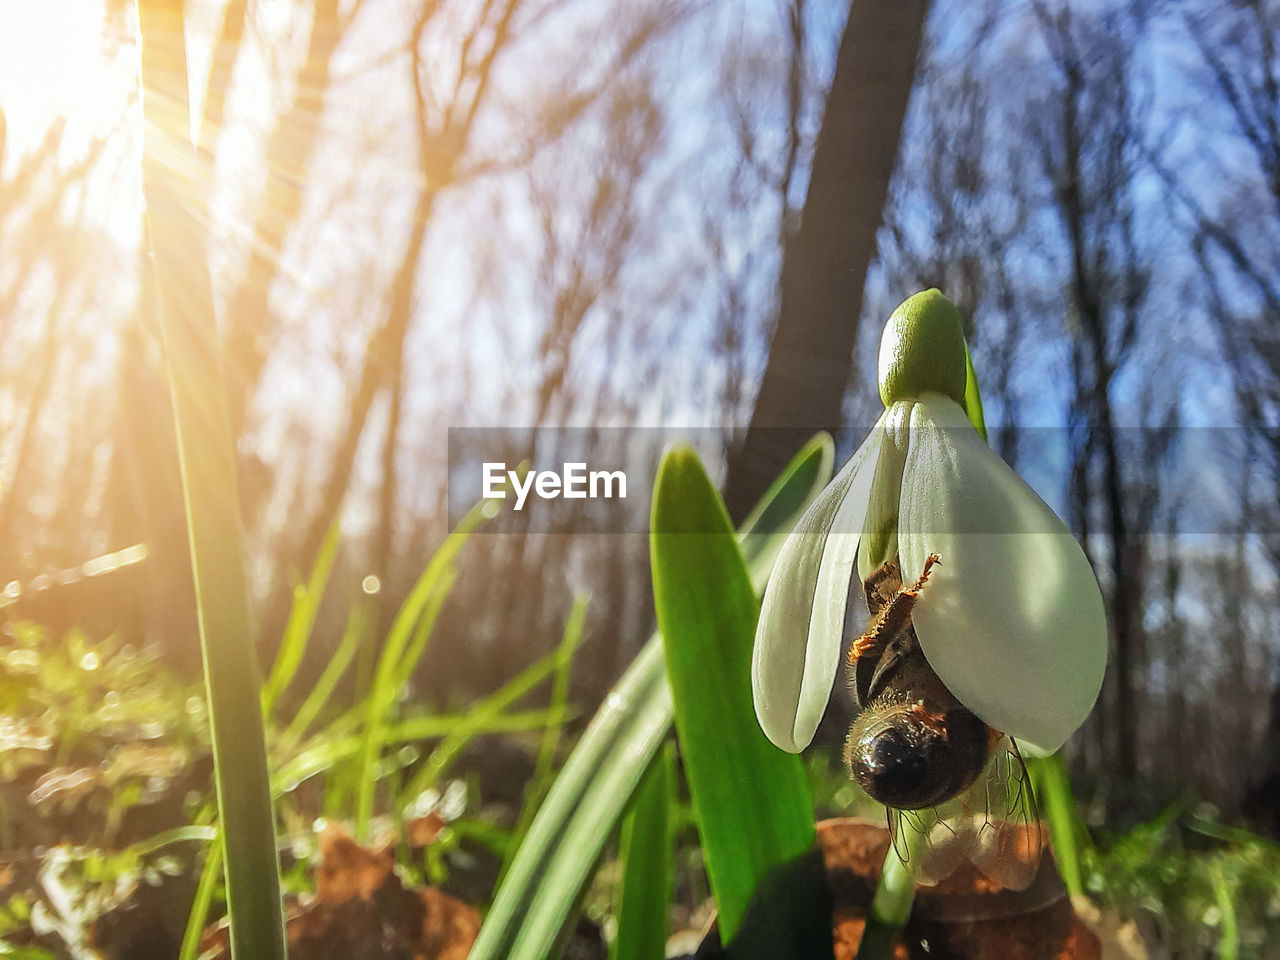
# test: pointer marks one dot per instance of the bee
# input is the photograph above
(935, 766)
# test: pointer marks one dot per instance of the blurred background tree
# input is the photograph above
(424, 214)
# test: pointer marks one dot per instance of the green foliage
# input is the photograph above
(1057, 805)
(359, 628)
(973, 396)
(80, 718)
(751, 800)
(302, 618)
(401, 652)
(1201, 889)
(24, 953)
(99, 738)
(549, 872)
(207, 457)
(99, 743)
(486, 716)
(202, 902)
(648, 870)
(544, 768)
(89, 731)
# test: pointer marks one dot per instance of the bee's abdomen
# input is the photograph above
(906, 758)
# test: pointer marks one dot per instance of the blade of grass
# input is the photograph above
(365, 778)
(302, 618)
(384, 694)
(626, 732)
(752, 801)
(1229, 939)
(422, 632)
(475, 720)
(198, 915)
(766, 526)
(358, 629)
(544, 765)
(23, 953)
(206, 452)
(382, 697)
(551, 867)
(14, 952)
(159, 841)
(648, 870)
(1056, 801)
(322, 756)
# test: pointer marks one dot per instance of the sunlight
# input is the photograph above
(57, 61)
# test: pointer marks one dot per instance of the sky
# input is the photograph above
(54, 60)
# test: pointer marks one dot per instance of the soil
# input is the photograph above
(965, 916)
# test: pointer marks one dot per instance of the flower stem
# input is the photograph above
(895, 893)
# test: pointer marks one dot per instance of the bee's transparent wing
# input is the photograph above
(994, 825)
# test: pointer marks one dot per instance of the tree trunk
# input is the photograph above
(825, 263)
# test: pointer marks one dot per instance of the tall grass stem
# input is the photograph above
(173, 192)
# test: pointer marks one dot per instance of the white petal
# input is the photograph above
(1012, 619)
(797, 646)
(880, 528)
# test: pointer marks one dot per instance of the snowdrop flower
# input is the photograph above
(1011, 620)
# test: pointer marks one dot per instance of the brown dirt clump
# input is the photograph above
(966, 916)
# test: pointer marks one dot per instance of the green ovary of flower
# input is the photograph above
(1012, 619)
(922, 350)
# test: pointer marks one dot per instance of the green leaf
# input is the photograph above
(552, 866)
(23, 953)
(790, 913)
(752, 801)
(648, 870)
(543, 770)
(766, 527)
(198, 915)
(973, 396)
(1057, 803)
(206, 444)
(324, 752)
(1229, 940)
(559, 853)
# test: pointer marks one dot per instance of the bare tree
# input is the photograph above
(825, 264)
(1228, 191)
(956, 219)
(1090, 148)
(290, 152)
(766, 92)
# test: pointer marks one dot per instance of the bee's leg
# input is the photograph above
(893, 616)
(882, 586)
(873, 639)
(929, 563)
